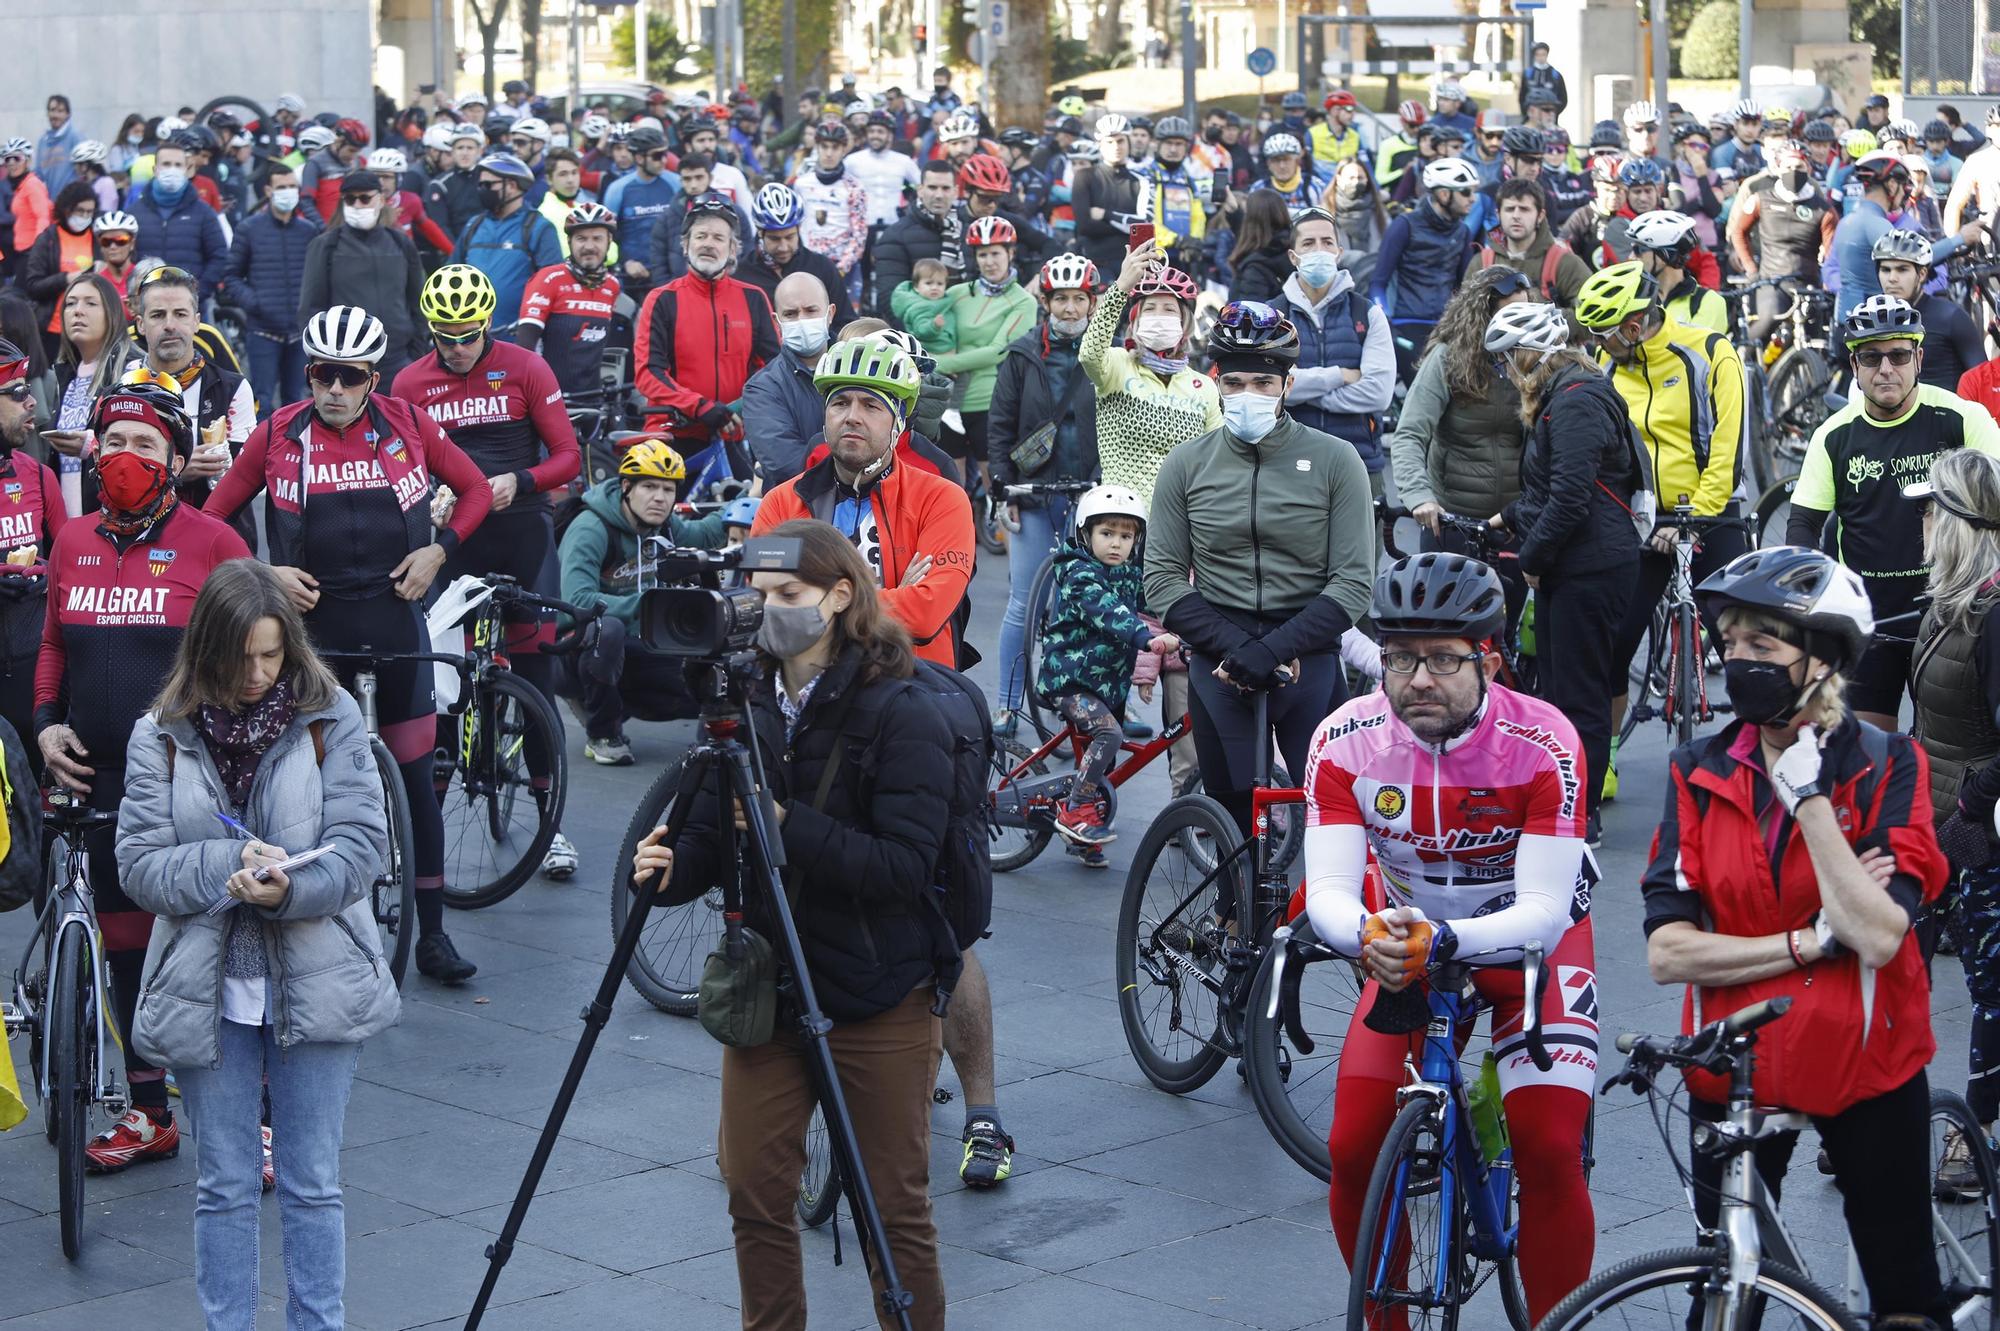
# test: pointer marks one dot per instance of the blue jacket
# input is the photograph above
(187, 235)
(1423, 255)
(638, 203)
(782, 415)
(509, 251)
(1866, 222)
(267, 270)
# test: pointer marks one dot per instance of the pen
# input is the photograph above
(235, 826)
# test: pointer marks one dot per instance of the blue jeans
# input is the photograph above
(277, 370)
(1041, 530)
(309, 1084)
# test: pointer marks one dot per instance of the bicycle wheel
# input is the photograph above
(1040, 594)
(1688, 680)
(819, 1181)
(1967, 1240)
(1773, 512)
(666, 968)
(1661, 1291)
(1798, 407)
(1406, 1270)
(72, 1074)
(1288, 827)
(1762, 453)
(1649, 676)
(497, 824)
(1293, 1089)
(1017, 835)
(1177, 918)
(393, 894)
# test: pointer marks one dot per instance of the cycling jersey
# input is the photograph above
(836, 217)
(1791, 234)
(1952, 342)
(506, 413)
(1684, 389)
(884, 176)
(1484, 833)
(638, 203)
(1176, 204)
(574, 318)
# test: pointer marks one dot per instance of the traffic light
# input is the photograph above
(923, 38)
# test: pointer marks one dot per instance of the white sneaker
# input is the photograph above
(560, 862)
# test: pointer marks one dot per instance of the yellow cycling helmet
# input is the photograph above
(1073, 105)
(1613, 295)
(865, 363)
(458, 293)
(146, 374)
(651, 460)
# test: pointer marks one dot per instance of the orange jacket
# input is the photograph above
(33, 211)
(916, 513)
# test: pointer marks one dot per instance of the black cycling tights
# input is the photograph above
(1225, 738)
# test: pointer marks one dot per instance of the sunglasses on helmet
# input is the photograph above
(1247, 314)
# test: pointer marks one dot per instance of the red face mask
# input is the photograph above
(131, 483)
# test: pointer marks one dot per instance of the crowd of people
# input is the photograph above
(846, 316)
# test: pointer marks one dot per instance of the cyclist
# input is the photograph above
(510, 241)
(992, 310)
(363, 462)
(568, 308)
(1424, 253)
(1976, 187)
(1886, 188)
(1471, 882)
(1177, 195)
(1792, 221)
(1667, 248)
(1952, 342)
(641, 199)
(114, 624)
(1795, 854)
(833, 212)
(1524, 243)
(1696, 188)
(1587, 226)
(1258, 579)
(1107, 197)
(1148, 398)
(29, 524)
(780, 216)
(501, 405)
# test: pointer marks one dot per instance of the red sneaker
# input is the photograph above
(1084, 824)
(136, 1139)
(270, 1174)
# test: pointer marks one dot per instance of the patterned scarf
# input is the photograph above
(237, 740)
(1164, 366)
(185, 378)
(987, 288)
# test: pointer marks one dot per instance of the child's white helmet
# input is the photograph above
(1108, 501)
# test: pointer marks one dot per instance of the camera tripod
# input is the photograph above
(719, 750)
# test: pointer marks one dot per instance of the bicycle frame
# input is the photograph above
(71, 906)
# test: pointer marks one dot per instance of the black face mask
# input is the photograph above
(1213, 134)
(1761, 692)
(1793, 180)
(491, 198)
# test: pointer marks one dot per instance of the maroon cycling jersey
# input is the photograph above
(506, 412)
(31, 515)
(117, 606)
(575, 318)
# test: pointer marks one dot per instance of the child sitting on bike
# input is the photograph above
(1093, 637)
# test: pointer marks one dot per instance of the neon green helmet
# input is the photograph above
(1613, 295)
(1858, 143)
(866, 363)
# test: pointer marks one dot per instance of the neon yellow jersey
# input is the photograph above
(1684, 390)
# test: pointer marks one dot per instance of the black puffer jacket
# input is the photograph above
(1577, 478)
(865, 863)
(913, 236)
(1025, 399)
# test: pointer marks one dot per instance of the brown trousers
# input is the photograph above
(888, 1066)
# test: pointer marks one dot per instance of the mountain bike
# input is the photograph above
(1669, 681)
(1787, 375)
(601, 419)
(1403, 537)
(65, 1006)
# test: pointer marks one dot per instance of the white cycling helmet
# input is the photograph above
(116, 220)
(438, 137)
(1661, 229)
(1084, 150)
(168, 127)
(906, 343)
(90, 150)
(345, 332)
(956, 127)
(17, 147)
(290, 101)
(1111, 123)
(1281, 145)
(1747, 109)
(595, 126)
(1451, 88)
(1069, 272)
(532, 127)
(473, 132)
(1641, 113)
(1909, 129)
(1108, 501)
(1527, 326)
(1449, 173)
(386, 161)
(314, 138)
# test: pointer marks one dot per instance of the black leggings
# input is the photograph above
(1574, 619)
(1091, 717)
(1226, 742)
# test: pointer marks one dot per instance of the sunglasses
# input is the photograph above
(166, 272)
(660, 156)
(1699, 145)
(114, 240)
(445, 339)
(328, 373)
(18, 392)
(1247, 314)
(1508, 281)
(1872, 360)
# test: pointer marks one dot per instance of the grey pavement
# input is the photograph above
(1128, 1208)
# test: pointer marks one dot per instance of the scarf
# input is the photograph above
(237, 740)
(131, 524)
(987, 288)
(1164, 366)
(185, 378)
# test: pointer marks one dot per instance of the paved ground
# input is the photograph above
(1129, 1208)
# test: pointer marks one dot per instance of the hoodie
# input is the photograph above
(600, 551)
(1342, 330)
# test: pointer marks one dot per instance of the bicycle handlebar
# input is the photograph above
(1026, 489)
(1708, 1047)
(1534, 978)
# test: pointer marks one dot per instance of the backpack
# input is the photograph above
(1551, 262)
(21, 829)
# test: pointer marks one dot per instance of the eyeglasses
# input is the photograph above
(1248, 314)
(1438, 663)
(328, 373)
(1872, 360)
(18, 391)
(445, 339)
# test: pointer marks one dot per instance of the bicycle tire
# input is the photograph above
(1799, 381)
(1296, 1106)
(819, 1180)
(1040, 594)
(1763, 448)
(1196, 904)
(1678, 1268)
(393, 894)
(1288, 823)
(666, 967)
(40, 1034)
(1688, 670)
(1419, 1119)
(1979, 1243)
(72, 1008)
(1033, 836)
(992, 532)
(507, 707)
(1649, 676)
(1773, 510)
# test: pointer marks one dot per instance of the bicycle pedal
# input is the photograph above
(941, 1096)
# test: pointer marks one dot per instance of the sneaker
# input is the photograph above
(1957, 1178)
(989, 1155)
(613, 752)
(1092, 857)
(1593, 831)
(1084, 824)
(1005, 722)
(560, 862)
(136, 1139)
(270, 1173)
(1135, 728)
(1823, 1162)
(437, 958)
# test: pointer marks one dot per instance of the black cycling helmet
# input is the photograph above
(1016, 137)
(1523, 141)
(1821, 131)
(1439, 595)
(1606, 134)
(1807, 588)
(1689, 130)
(1140, 122)
(1252, 337)
(645, 139)
(1936, 129)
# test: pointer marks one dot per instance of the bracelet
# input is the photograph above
(1792, 945)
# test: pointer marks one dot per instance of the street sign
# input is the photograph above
(1262, 61)
(996, 21)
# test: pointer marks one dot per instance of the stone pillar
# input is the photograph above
(407, 23)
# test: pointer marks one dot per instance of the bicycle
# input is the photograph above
(1749, 1270)
(1402, 538)
(1787, 375)
(1674, 666)
(1042, 591)
(719, 469)
(600, 419)
(73, 1045)
(499, 814)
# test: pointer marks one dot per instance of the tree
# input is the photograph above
(489, 35)
(1879, 23)
(1709, 49)
(531, 41)
(764, 43)
(1020, 92)
(665, 51)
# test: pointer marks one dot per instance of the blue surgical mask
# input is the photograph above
(1250, 416)
(1316, 268)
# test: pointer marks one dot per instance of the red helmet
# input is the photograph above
(1341, 97)
(986, 174)
(353, 131)
(1412, 113)
(986, 231)
(1166, 282)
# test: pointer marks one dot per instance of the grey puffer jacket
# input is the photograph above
(328, 981)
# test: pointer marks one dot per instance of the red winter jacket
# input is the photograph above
(696, 342)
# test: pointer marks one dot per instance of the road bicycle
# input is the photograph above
(1749, 1273)
(1403, 536)
(602, 422)
(1787, 376)
(65, 1005)
(1669, 681)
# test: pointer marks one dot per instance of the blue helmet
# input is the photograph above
(1641, 171)
(777, 208)
(740, 512)
(507, 165)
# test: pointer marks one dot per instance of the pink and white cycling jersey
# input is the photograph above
(1446, 826)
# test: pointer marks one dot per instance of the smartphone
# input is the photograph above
(1141, 233)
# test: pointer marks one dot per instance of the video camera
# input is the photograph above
(701, 617)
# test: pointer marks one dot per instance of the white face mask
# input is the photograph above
(1316, 269)
(1250, 416)
(361, 219)
(1159, 332)
(171, 179)
(285, 200)
(806, 336)
(79, 222)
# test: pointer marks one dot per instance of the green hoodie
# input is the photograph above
(600, 551)
(982, 328)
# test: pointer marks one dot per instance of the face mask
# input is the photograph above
(1161, 332)
(78, 222)
(1761, 692)
(170, 180)
(806, 336)
(791, 630)
(285, 200)
(1068, 327)
(136, 138)
(1793, 180)
(490, 198)
(1317, 268)
(1213, 134)
(1250, 416)
(131, 483)
(361, 219)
